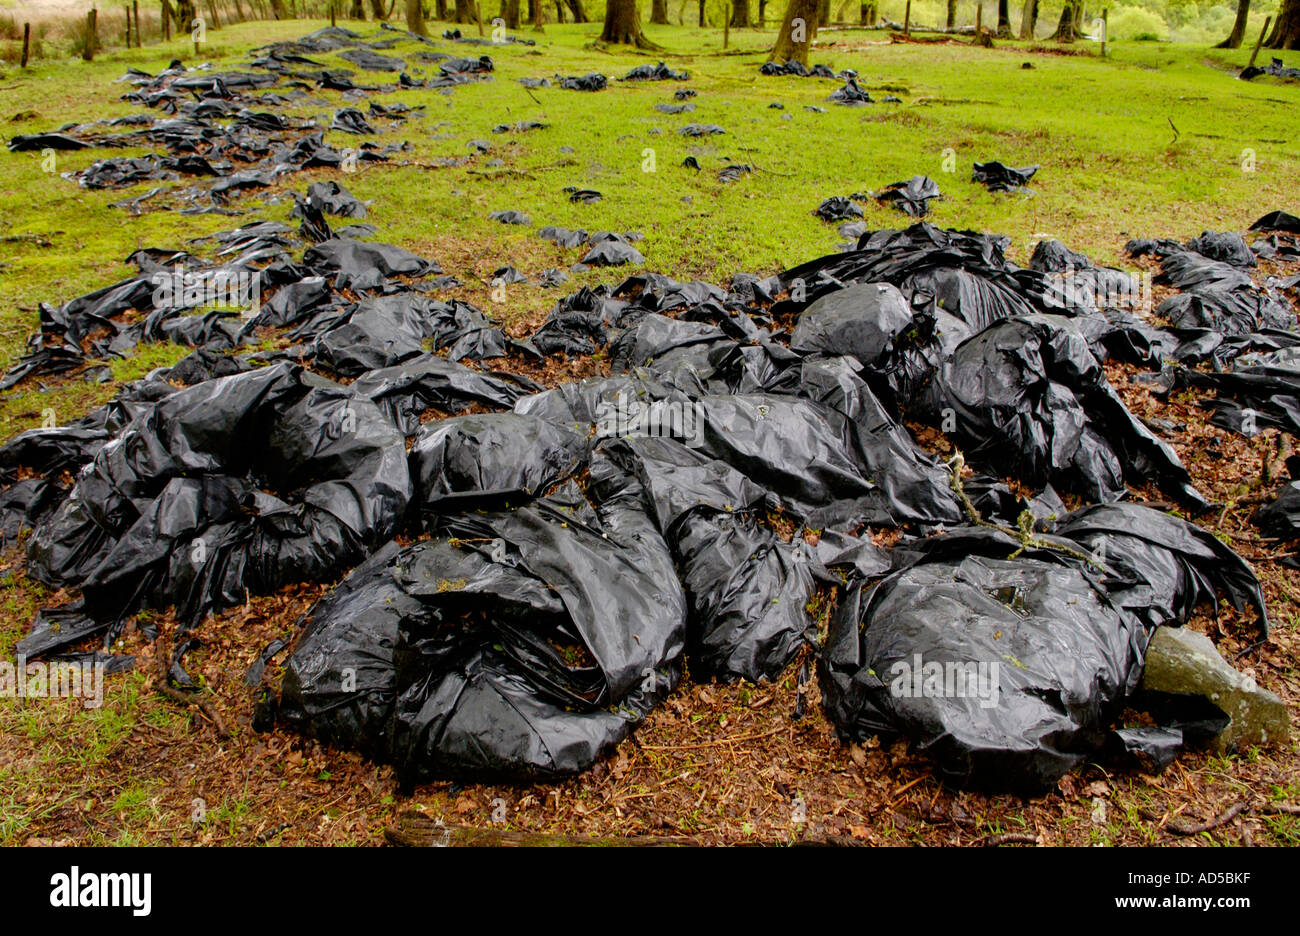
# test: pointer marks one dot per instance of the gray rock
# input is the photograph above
(1180, 660)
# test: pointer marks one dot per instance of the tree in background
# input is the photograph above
(659, 12)
(1029, 19)
(739, 13)
(623, 25)
(1065, 27)
(797, 32)
(1286, 32)
(952, 13)
(415, 18)
(1238, 27)
(465, 11)
(1004, 19)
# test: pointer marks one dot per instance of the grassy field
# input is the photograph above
(1155, 140)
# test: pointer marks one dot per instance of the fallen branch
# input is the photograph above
(1232, 812)
(202, 704)
(1010, 838)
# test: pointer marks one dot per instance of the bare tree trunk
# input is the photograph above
(659, 12)
(798, 30)
(1004, 19)
(415, 18)
(1286, 31)
(358, 11)
(952, 13)
(539, 14)
(1238, 27)
(623, 25)
(510, 13)
(702, 22)
(1065, 26)
(277, 10)
(576, 8)
(824, 13)
(1029, 19)
(464, 11)
(377, 10)
(739, 13)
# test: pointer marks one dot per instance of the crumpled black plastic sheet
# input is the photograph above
(1275, 68)
(999, 178)
(1009, 665)
(179, 509)
(913, 196)
(796, 69)
(504, 646)
(660, 72)
(850, 94)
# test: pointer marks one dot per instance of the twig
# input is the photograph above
(1226, 816)
(1280, 809)
(1008, 838)
(203, 705)
(1171, 124)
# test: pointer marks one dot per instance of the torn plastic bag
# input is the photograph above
(1278, 221)
(591, 82)
(1281, 518)
(180, 509)
(912, 197)
(563, 237)
(372, 61)
(35, 142)
(851, 94)
(513, 657)
(1228, 248)
(832, 459)
(701, 130)
(511, 216)
(746, 588)
(660, 72)
(612, 250)
(1027, 399)
(999, 178)
(294, 302)
(1009, 665)
(1262, 391)
(795, 68)
(23, 505)
(351, 120)
(379, 332)
(362, 265)
(429, 382)
(837, 208)
(577, 323)
(1276, 68)
(334, 199)
(490, 460)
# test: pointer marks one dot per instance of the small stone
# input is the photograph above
(1180, 660)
